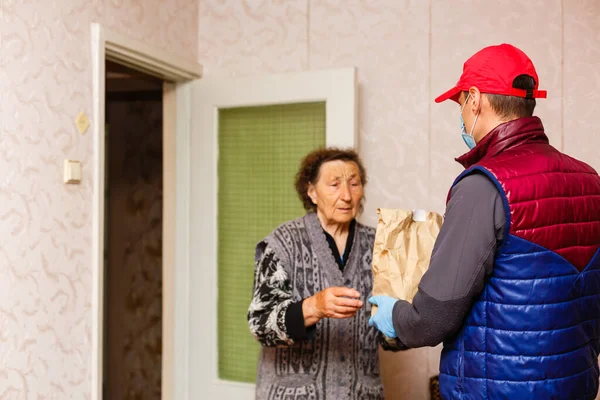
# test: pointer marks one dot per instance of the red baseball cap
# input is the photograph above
(492, 70)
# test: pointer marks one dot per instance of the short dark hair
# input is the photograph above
(513, 106)
(311, 165)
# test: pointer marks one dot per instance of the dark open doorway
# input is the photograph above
(133, 235)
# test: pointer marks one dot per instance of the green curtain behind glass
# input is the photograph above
(260, 149)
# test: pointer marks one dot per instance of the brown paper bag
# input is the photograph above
(402, 251)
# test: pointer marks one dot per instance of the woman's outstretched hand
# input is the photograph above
(333, 302)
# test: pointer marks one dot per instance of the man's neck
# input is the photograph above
(491, 123)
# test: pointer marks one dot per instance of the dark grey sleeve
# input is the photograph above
(462, 259)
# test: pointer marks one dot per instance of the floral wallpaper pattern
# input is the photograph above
(406, 52)
(45, 225)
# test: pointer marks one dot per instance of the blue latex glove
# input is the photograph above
(382, 320)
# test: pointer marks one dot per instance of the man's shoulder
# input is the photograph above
(475, 186)
(478, 197)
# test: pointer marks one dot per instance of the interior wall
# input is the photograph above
(46, 226)
(408, 52)
(133, 284)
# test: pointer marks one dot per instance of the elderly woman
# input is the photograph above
(311, 279)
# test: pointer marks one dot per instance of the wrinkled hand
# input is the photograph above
(333, 302)
(382, 319)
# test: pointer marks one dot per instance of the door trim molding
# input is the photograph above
(145, 58)
(109, 45)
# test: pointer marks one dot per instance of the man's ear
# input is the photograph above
(312, 193)
(475, 99)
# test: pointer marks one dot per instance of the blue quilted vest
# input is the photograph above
(534, 332)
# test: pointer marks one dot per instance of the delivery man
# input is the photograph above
(513, 286)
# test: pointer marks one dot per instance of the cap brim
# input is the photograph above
(451, 94)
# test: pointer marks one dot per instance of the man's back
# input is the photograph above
(534, 331)
(514, 297)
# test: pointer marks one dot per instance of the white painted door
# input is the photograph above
(196, 372)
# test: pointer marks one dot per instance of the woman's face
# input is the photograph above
(337, 192)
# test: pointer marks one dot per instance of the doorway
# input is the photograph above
(176, 74)
(133, 220)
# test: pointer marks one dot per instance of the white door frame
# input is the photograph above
(338, 88)
(108, 45)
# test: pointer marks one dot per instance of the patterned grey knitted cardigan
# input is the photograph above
(340, 360)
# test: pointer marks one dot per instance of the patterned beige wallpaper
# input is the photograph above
(581, 58)
(45, 226)
(407, 52)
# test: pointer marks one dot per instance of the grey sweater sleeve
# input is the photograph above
(462, 259)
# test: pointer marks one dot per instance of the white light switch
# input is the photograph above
(72, 171)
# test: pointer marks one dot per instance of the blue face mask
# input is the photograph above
(469, 140)
(467, 137)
